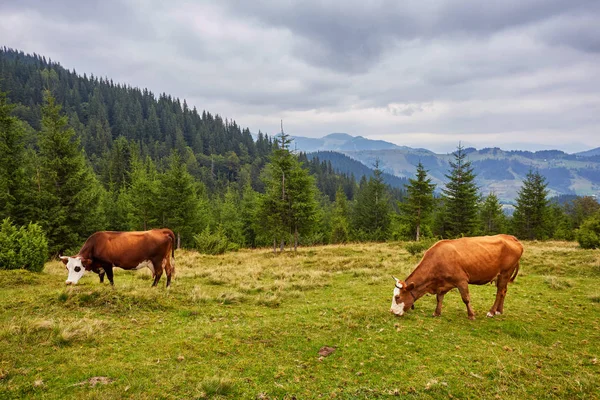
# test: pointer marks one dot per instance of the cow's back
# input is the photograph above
(478, 259)
(128, 249)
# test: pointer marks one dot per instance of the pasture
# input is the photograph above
(250, 325)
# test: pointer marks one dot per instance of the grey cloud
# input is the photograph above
(352, 37)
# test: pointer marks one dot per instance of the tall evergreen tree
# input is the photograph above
(491, 215)
(13, 183)
(340, 225)
(179, 198)
(418, 204)
(248, 210)
(143, 194)
(231, 218)
(371, 215)
(461, 194)
(532, 204)
(288, 207)
(70, 201)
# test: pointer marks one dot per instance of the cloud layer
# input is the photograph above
(421, 73)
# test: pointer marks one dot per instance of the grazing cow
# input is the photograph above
(128, 250)
(450, 264)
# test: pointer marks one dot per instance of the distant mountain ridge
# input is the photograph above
(589, 153)
(498, 171)
(341, 142)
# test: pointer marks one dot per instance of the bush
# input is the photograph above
(213, 243)
(588, 234)
(415, 248)
(25, 247)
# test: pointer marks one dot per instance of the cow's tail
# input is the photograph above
(515, 273)
(171, 236)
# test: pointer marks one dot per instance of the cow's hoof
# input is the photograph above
(490, 315)
(436, 314)
(498, 313)
(471, 317)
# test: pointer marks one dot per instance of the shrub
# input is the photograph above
(212, 243)
(588, 234)
(24, 247)
(415, 248)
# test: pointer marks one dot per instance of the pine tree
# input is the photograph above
(70, 193)
(13, 184)
(340, 227)
(461, 194)
(179, 199)
(491, 216)
(288, 207)
(418, 204)
(248, 211)
(371, 216)
(231, 218)
(532, 205)
(143, 194)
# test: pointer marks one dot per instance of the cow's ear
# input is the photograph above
(64, 259)
(410, 286)
(86, 262)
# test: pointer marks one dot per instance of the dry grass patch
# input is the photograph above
(53, 331)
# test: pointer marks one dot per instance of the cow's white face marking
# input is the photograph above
(76, 270)
(146, 264)
(397, 309)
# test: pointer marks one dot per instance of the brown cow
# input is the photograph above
(450, 264)
(128, 250)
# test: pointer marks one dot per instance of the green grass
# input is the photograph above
(250, 325)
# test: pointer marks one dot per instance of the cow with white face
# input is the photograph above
(76, 266)
(105, 250)
(403, 298)
(458, 263)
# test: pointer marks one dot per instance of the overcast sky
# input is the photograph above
(514, 74)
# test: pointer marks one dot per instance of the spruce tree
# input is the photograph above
(179, 199)
(231, 218)
(371, 216)
(289, 205)
(340, 227)
(143, 194)
(418, 205)
(461, 195)
(529, 218)
(492, 219)
(248, 211)
(70, 193)
(13, 184)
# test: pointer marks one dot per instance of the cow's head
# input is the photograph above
(403, 298)
(76, 267)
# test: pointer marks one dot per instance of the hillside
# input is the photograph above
(348, 166)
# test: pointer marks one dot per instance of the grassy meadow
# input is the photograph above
(250, 325)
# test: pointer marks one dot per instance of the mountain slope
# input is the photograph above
(343, 164)
(498, 171)
(341, 142)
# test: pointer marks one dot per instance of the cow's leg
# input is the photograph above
(158, 270)
(463, 288)
(109, 273)
(169, 268)
(101, 275)
(501, 283)
(440, 299)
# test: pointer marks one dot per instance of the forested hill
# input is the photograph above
(101, 112)
(82, 153)
(349, 166)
